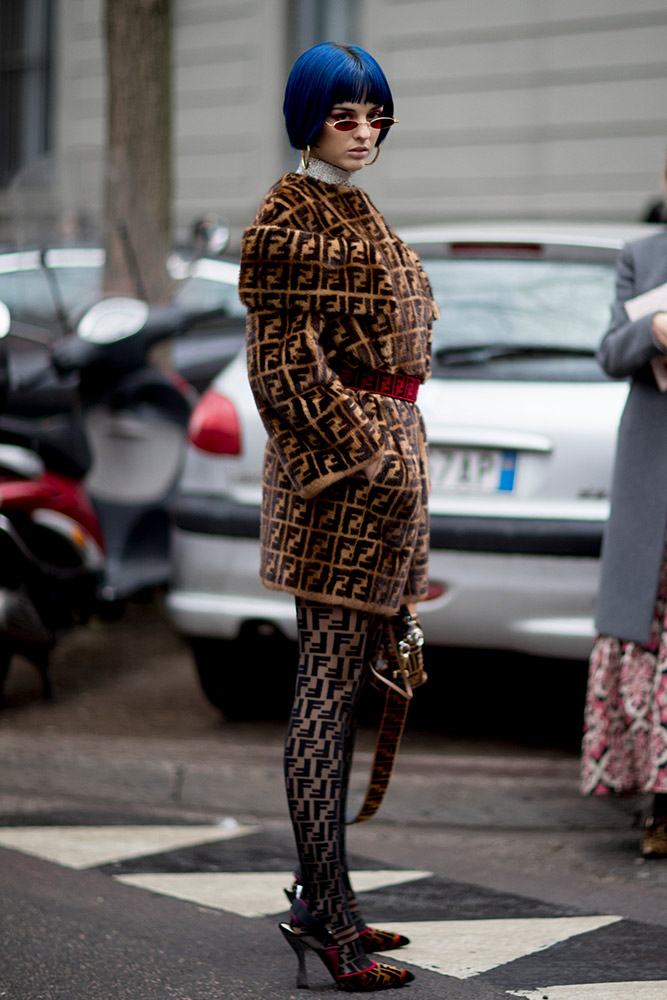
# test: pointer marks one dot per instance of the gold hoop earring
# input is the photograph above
(374, 160)
(305, 157)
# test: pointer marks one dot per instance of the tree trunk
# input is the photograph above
(138, 188)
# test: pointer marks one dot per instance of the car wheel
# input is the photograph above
(251, 677)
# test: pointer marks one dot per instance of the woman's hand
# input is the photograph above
(372, 468)
(659, 328)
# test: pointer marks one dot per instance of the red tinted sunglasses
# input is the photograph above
(348, 124)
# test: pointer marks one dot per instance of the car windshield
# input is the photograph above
(519, 315)
(199, 292)
(74, 281)
(24, 285)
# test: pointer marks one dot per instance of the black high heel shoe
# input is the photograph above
(376, 977)
(373, 939)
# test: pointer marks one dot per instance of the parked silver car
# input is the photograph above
(521, 422)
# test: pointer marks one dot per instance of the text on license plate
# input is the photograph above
(474, 469)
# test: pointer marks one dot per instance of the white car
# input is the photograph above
(521, 422)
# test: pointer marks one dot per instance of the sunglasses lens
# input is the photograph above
(348, 124)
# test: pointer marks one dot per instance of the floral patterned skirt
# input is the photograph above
(625, 727)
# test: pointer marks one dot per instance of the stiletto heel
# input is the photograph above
(376, 977)
(300, 951)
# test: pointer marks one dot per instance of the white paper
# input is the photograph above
(653, 301)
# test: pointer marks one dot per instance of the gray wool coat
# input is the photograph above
(634, 540)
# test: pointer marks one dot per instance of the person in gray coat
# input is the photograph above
(625, 732)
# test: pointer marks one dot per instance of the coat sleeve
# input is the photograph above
(627, 345)
(293, 283)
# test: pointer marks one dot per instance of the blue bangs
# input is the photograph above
(326, 75)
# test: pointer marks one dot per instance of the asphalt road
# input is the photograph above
(144, 842)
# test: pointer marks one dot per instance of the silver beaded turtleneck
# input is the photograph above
(327, 172)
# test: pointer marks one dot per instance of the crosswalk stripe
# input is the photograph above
(250, 894)
(88, 846)
(459, 948)
(465, 948)
(653, 990)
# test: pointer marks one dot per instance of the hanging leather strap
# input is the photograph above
(398, 669)
(389, 739)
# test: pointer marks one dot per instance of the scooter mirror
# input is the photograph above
(112, 319)
(210, 237)
(5, 320)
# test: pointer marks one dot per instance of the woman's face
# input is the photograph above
(348, 150)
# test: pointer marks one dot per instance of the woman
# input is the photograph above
(625, 738)
(339, 337)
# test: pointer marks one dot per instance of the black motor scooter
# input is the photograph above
(85, 494)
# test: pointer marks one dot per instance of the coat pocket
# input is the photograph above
(395, 494)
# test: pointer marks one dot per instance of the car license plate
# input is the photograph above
(476, 470)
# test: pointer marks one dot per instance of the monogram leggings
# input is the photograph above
(335, 644)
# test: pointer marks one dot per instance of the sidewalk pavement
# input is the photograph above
(131, 729)
(242, 778)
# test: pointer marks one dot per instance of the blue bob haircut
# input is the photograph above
(326, 75)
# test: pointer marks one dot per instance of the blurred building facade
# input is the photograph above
(507, 108)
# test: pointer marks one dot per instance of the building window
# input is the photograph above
(25, 82)
(314, 21)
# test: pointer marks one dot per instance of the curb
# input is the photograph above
(246, 782)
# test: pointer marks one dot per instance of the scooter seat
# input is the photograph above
(59, 440)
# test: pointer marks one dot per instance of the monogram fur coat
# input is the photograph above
(329, 285)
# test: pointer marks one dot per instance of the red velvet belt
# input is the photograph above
(377, 380)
